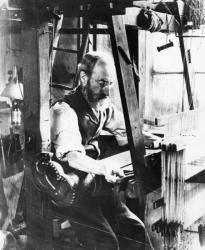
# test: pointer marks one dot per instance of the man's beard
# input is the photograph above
(90, 96)
(95, 101)
(93, 97)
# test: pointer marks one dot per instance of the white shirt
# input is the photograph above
(65, 133)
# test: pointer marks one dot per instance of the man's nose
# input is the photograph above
(106, 90)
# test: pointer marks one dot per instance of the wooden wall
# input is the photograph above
(165, 86)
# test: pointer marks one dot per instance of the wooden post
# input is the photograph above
(3, 204)
(36, 72)
(85, 39)
(180, 6)
(129, 104)
(56, 35)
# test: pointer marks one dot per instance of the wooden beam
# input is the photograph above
(4, 219)
(142, 70)
(36, 71)
(85, 39)
(131, 14)
(81, 31)
(180, 7)
(96, 13)
(56, 32)
(66, 50)
(129, 102)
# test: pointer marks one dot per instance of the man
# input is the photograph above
(101, 222)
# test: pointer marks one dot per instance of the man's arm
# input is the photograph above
(65, 134)
(67, 140)
(85, 163)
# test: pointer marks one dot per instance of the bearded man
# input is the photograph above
(101, 222)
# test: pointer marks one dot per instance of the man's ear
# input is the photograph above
(83, 78)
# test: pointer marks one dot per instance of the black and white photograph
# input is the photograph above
(102, 124)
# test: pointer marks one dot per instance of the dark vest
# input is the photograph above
(88, 126)
(87, 121)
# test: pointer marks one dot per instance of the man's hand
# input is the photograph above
(86, 164)
(113, 174)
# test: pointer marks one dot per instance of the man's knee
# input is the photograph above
(130, 225)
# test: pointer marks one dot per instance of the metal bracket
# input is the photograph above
(158, 203)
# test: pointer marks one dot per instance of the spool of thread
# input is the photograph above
(166, 46)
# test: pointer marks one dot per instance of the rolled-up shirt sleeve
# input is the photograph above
(115, 125)
(65, 133)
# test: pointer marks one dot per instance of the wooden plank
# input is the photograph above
(81, 31)
(3, 204)
(36, 88)
(142, 70)
(85, 39)
(121, 159)
(37, 132)
(2, 157)
(65, 50)
(129, 103)
(180, 6)
(58, 25)
(44, 78)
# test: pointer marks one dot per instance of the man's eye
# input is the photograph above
(104, 83)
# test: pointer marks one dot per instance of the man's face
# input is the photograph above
(98, 85)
